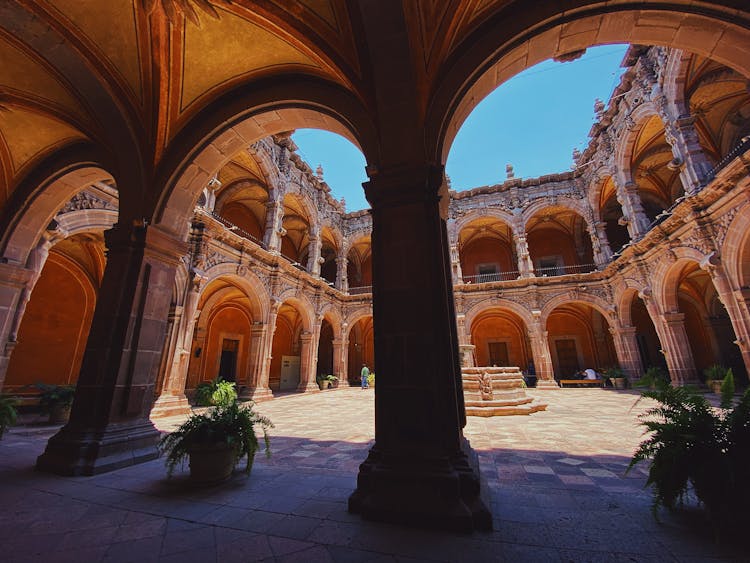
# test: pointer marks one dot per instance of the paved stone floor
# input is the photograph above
(555, 480)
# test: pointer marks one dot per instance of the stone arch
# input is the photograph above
(599, 303)
(625, 146)
(500, 337)
(238, 120)
(494, 213)
(667, 276)
(25, 228)
(248, 282)
(332, 314)
(736, 249)
(353, 317)
(576, 205)
(303, 305)
(508, 43)
(499, 303)
(675, 76)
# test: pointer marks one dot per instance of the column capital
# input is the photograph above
(399, 185)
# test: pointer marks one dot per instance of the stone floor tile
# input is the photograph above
(188, 541)
(295, 527)
(145, 550)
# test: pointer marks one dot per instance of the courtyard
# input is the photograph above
(555, 482)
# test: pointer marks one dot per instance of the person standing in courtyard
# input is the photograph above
(365, 376)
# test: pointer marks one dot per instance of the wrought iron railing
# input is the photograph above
(492, 277)
(743, 146)
(564, 270)
(360, 290)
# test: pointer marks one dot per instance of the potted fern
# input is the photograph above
(215, 441)
(56, 401)
(215, 392)
(715, 375)
(7, 413)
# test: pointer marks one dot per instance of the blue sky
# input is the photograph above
(533, 121)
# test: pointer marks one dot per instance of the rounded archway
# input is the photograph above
(579, 339)
(359, 266)
(487, 251)
(55, 326)
(559, 242)
(500, 338)
(361, 348)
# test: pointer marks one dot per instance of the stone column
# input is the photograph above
(313, 259)
(274, 218)
(626, 348)
(339, 366)
(256, 386)
(267, 347)
(736, 304)
(525, 264)
(539, 341)
(676, 347)
(417, 471)
(14, 283)
(167, 403)
(109, 425)
(600, 244)
(689, 157)
(342, 282)
(172, 400)
(307, 353)
(633, 215)
(16, 286)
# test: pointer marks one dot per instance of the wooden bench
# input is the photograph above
(596, 382)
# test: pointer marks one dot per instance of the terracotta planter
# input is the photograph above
(324, 385)
(619, 382)
(211, 463)
(59, 414)
(715, 385)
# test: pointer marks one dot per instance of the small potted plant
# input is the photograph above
(654, 378)
(371, 379)
(715, 375)
(326, 381)
(216, 392)
(7, 413)
(617, 376)
(215, 441)
(56, 401)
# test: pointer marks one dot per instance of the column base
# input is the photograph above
(170, 405)
(308, 387)
(92, 451)
(547, 384)
(256, 394)
(428, 493)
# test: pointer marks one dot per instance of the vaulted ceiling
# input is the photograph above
(138, 79)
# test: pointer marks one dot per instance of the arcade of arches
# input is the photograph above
(159, 228)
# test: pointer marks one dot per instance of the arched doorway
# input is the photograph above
(579, 338)
(288, 350)
(559, 242)
(325, 349)
(361, 348)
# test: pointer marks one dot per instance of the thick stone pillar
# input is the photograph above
(109, 425)
(168, 403)
(626, 348)
(255, 387)
(417, 472)
(539, 341)
(676, 347)
(633, 215)
(308, 342)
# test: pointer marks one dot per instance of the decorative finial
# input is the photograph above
(509, 171)
(598, 107)
(319, 172)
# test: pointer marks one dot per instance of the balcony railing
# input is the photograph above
(564, 270)
(361, 290)
(493, 277)
(237, 230)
